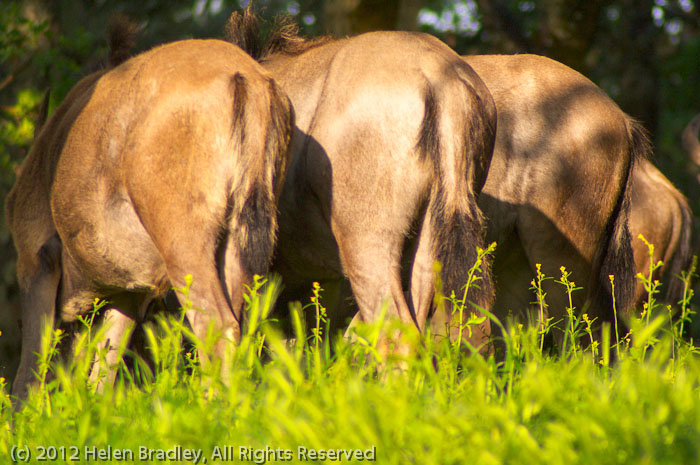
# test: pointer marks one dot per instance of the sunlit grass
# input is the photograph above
(635, 400)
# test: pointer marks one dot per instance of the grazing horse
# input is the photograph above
(167, 165)
(569, 171)
(394, 138)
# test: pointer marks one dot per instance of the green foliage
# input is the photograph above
(19, 32)
(17, 131)
(540, 295)
(572, 330)
(438, 406)
(19, 43)
(461, 305)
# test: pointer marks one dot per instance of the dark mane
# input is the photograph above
(121, 38)
(245, 30)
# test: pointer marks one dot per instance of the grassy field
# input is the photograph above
(304, 401)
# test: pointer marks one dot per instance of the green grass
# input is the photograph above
(531, 405)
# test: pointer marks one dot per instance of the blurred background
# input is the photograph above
(644, 53)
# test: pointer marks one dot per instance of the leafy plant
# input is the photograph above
(526, 406)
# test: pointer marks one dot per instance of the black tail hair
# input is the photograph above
(617, 253)
(257, 230)
(458, 229)
(256, 220)
(121, 38)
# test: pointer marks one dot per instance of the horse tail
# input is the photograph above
(616, 251)
(457, 137)
(121, 38)
(252, 216)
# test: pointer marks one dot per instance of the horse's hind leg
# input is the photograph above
(39, 277)
(372, 264)
(208, 307)
(422, 286)
(118, 328)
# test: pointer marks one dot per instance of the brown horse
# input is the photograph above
(567, 167)
(394, 137)
(121, 38)
(662, 215)
(167, 165)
